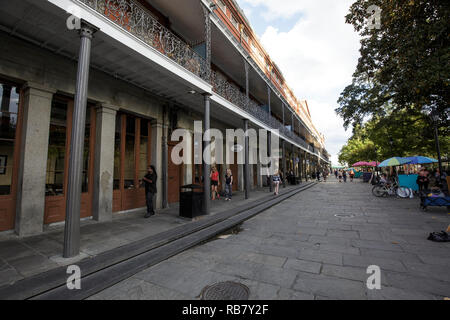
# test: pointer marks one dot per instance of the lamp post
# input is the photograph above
(391, 142)
(434, 116)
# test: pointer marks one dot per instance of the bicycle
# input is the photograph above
(392, 189)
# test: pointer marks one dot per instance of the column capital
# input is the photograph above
(107, 108)
(30, 85)
(87, 30)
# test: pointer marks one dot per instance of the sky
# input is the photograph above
(316, 51)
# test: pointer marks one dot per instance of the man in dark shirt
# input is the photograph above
(150, 189)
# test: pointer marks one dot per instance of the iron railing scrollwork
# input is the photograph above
(135, 19)
(233, 94)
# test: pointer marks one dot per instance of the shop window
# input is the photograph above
(245, 36)
(222, 6)
(9, 102)
(130, 163)
(116, 177)
(56, 149)
(143, 149)
(234, 22)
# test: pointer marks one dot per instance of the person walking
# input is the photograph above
(340, 176)
(276, 182)
(318, 175)
(214, 176)
(336, 173)
(344, 175)
(352, 175)
(149, 181)
(228, 185)
(325, 175)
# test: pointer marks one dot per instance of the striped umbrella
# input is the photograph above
(395, 161)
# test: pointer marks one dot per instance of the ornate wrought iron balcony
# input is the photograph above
(233, 94)
(135, 19)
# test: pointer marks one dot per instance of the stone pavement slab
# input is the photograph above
(299, 249)
(24, 257)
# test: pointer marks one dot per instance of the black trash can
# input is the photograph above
(191, 201)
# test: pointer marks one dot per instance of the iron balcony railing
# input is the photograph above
(233, 94)
(136, 20)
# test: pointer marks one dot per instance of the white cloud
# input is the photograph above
(317, 56)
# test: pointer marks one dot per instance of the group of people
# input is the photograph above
(324, 174)
(276, 180)
(425, 177)
(215, 183)
(342, 175)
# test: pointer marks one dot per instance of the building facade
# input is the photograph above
(155, 66)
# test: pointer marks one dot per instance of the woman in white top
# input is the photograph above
(276, 181)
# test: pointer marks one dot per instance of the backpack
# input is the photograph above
(439, 237)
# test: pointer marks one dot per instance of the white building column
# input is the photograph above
(37, 105)
(104, 162)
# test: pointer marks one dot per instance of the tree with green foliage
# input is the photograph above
(401, 133)
(403, 64)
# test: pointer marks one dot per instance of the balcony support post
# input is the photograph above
(207, 13)
(246, 158)
(72, 226)
(247, 88)
(206, 157)
(283, 157)
(292, 119)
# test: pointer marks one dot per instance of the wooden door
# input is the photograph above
(10, 133)
(56, 193)
(133, 148)
(174, 178)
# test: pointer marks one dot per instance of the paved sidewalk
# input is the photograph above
(24, 257)
(300, 249)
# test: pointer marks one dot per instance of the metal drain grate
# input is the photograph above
(225, 291)
(343, 215)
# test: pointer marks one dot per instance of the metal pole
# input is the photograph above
(269, 148)
(246, 169)
(207, 158)
(284, 160)
(438, 149)
(165, 162)
(292, 119)
(75, 173)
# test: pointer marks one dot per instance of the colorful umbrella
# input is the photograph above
(360, 164)
(373, 164)
(420, 160)
(395, 161)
